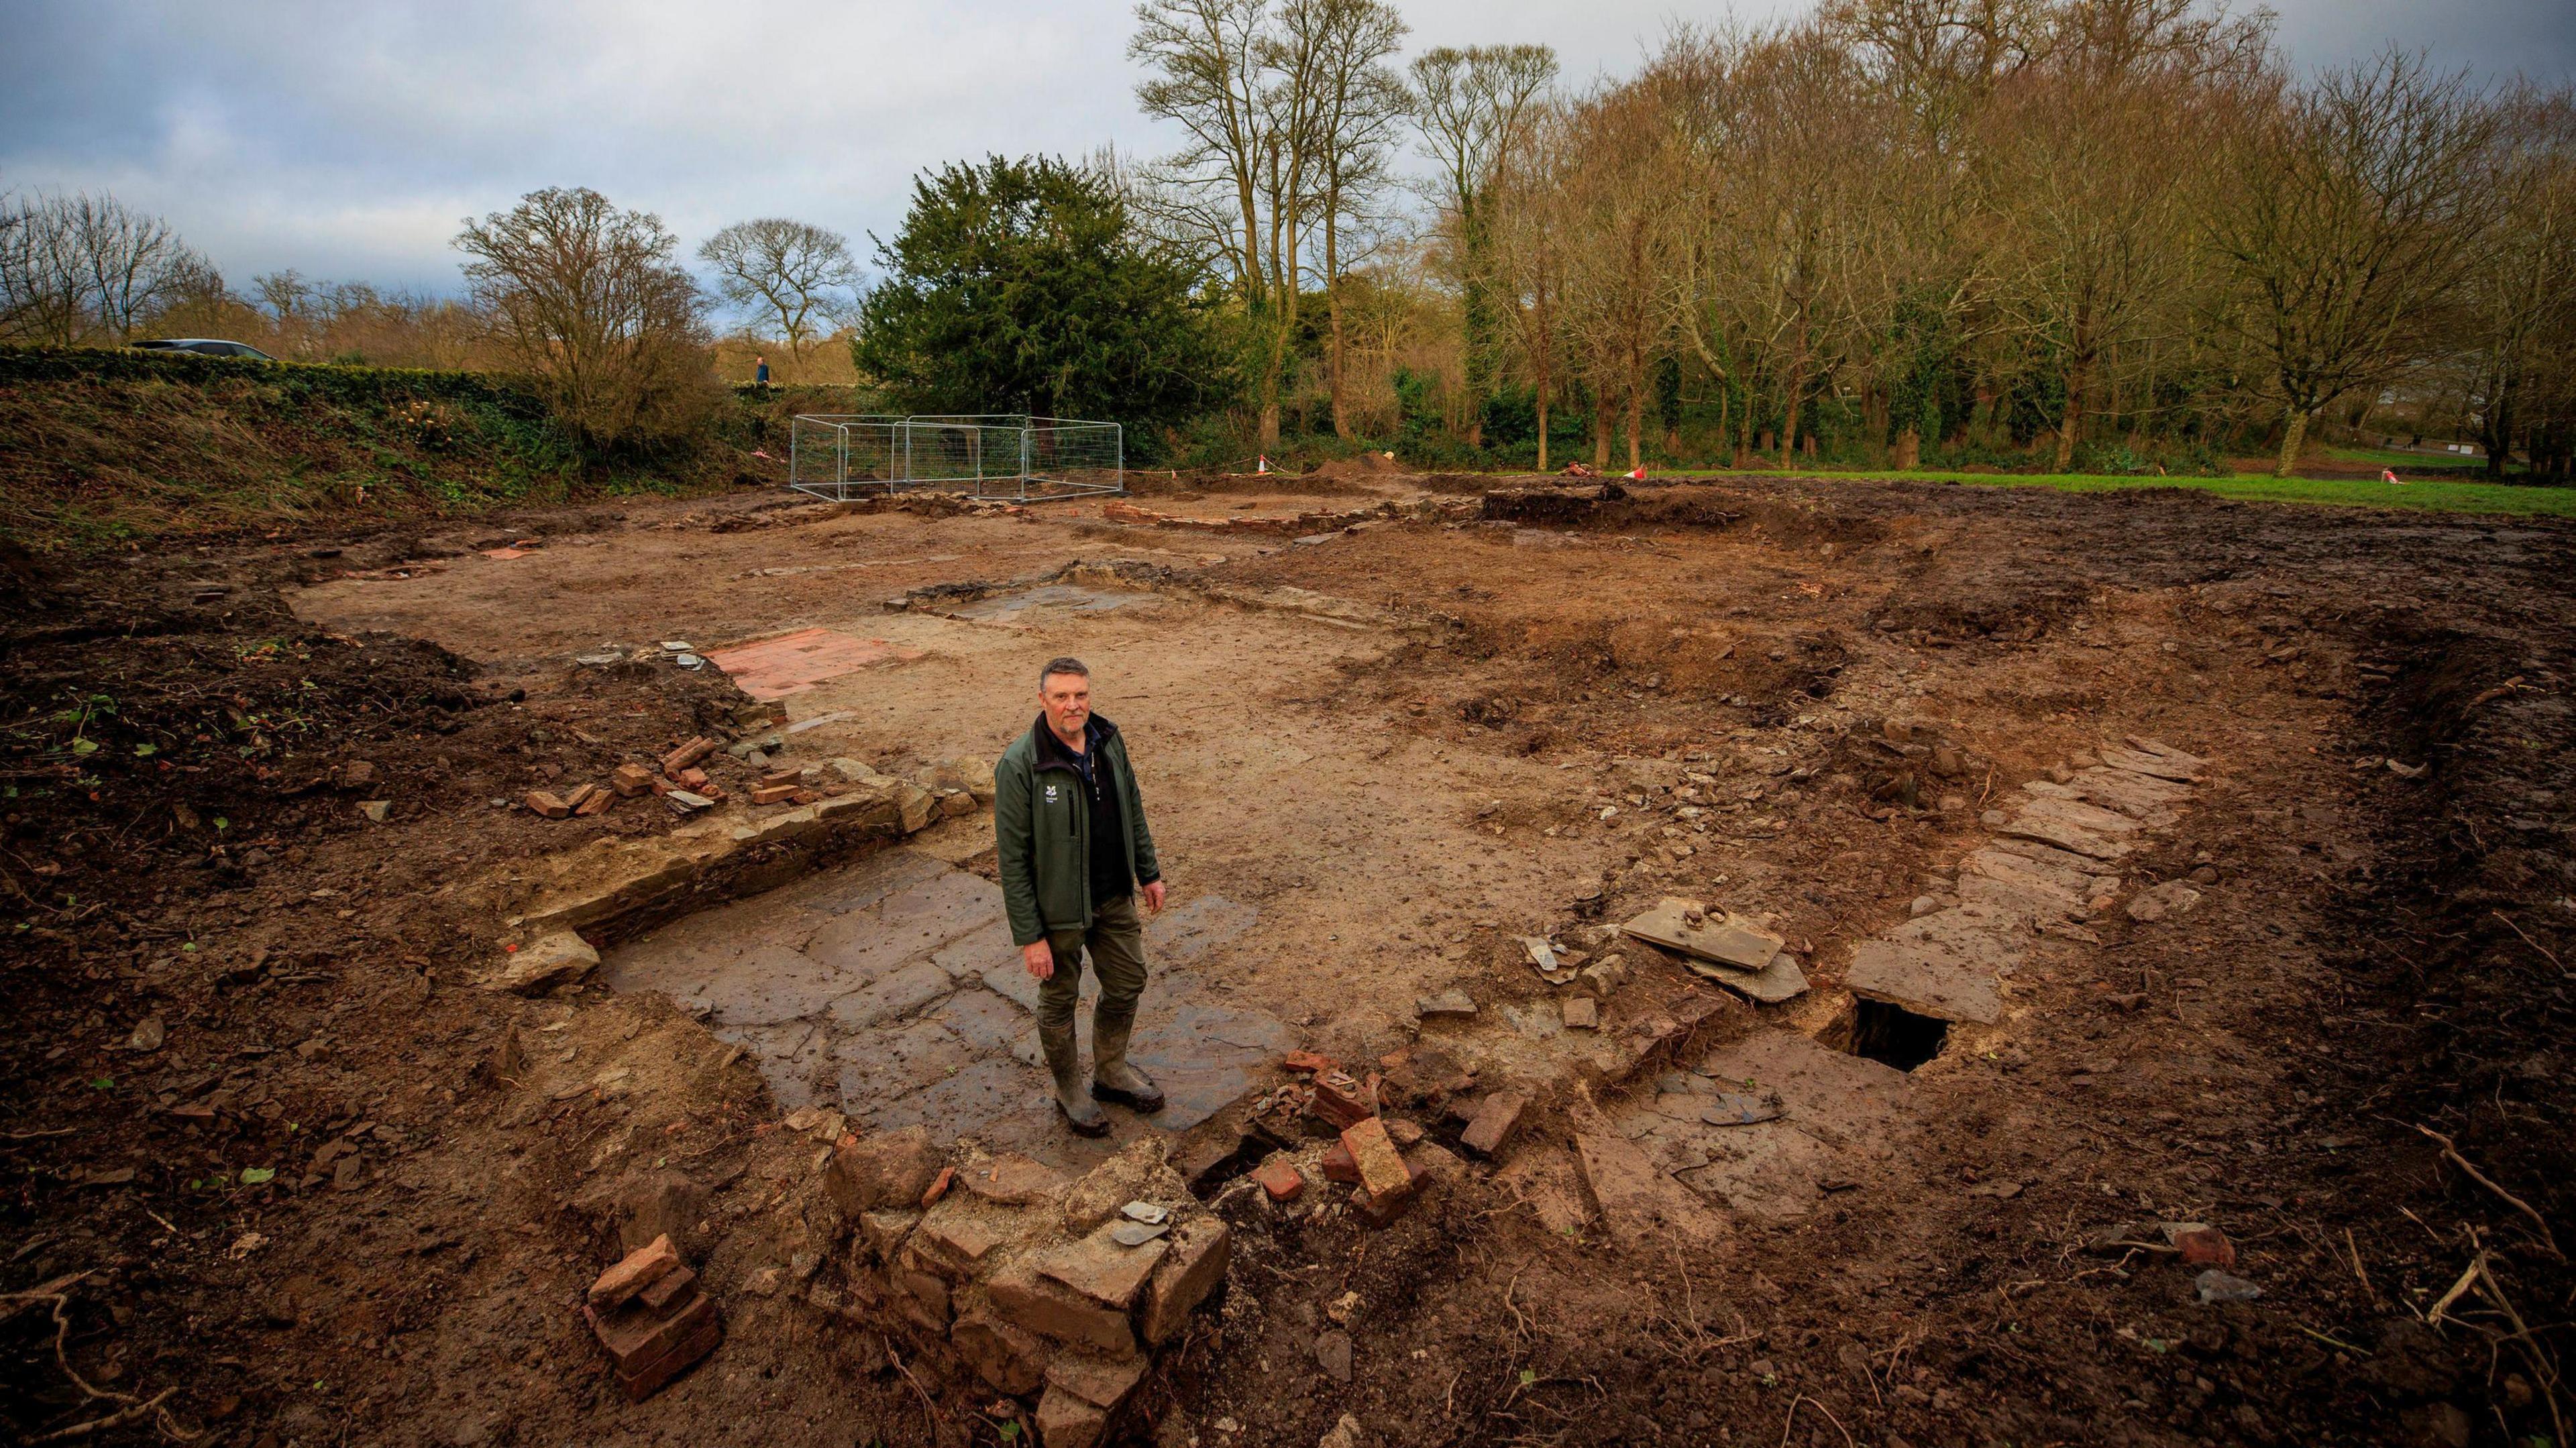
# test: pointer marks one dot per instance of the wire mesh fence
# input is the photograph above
(1006, 456)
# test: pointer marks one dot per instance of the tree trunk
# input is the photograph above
(1334, 362)
(1636, 407)
(2077, 377)
(2294, 431)
(1270, 419)
(1909, 449)
(1600, 431)
(1542, 422)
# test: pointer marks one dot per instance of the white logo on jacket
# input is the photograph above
(1050, 794)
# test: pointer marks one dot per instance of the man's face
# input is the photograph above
(1067, 698)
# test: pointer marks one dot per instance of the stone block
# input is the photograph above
(634, 1272)
(927, 1292)
(558, 958)
(1139, 1172)
(1101, 1268)
(1102, 1382)
(914, 806)
(1009, 1358)
(1012, 1180)
(1193, 1268)
(889, 1169)
(1065, 1421)
(1492, 1120)
(882, 1232)
(1036, 1304)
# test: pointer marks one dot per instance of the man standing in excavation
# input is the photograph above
(1069, 828)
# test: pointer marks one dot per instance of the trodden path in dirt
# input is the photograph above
(1526, 718)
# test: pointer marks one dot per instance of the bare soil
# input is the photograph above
(1508, 726)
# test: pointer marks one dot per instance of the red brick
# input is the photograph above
(634, 1272)
(549, 804)
(1338, 1165)
(938, 1187)
(778, 777)
(1381, 1167)
(671, 1292)
(650, 1378)
(631, 780)
(1281, 1179)
(687, 754)
(1491, 1123)
(693, 780)
(1341, 1100)
(1403, 1132)
(595, 802)
(773, 793)
(1378, 1211)
(637, 1337)
(1307, 1061)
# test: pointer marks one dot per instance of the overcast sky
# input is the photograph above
(348, 140)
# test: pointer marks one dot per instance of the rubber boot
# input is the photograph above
(1064, 1063)
(1113, 1077)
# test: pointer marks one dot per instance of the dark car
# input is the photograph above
(206, 347)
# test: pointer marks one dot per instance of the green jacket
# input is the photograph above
(1042, 831)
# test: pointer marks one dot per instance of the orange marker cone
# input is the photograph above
(1637, 474)
(1263, 464)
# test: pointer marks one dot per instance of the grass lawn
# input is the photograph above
(2442, 497)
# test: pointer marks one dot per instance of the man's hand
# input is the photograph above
(1154, 897)
(1041, 959)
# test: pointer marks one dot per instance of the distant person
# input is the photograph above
(2389, 475)
(1074, 855)
(759, 371)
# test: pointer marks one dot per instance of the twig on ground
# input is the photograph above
(2357, 1271)
(1790, 1422)
(2460, 1288)
(2550, 955)
(118, 1419)
(2452, 1150)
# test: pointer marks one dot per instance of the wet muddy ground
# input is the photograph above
(1377, 760)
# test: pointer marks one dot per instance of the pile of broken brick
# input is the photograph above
(1331, 1124)
(648, 1313)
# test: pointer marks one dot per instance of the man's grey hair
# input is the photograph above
(1061, 666)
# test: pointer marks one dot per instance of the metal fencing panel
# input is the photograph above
(1010, 457)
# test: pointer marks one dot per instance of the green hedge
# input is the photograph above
(322, 382)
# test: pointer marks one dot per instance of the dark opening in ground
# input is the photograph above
(1895, 1036)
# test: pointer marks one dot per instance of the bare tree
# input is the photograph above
(79, 268)
(1210, 64)
(2520, 294)
(1474, 106)
(791, 272)
(1357, 104)
(588, 299)
(2349, 223)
